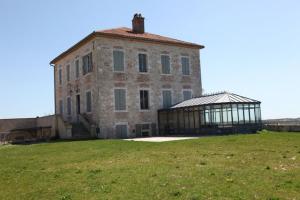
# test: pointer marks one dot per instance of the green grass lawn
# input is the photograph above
(256, 166)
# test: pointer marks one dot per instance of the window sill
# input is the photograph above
(120, 111)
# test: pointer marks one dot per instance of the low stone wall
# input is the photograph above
(19, 123)
(27, 129)
(282, 128)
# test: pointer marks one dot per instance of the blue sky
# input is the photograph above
(252, 48)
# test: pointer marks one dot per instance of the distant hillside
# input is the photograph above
(283, 121)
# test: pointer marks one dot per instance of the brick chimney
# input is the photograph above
(138, 23)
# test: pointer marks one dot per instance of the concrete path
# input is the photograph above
(160, 139)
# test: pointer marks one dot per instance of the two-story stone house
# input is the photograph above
(119, 78)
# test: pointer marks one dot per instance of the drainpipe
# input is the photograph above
(54, 78)
(55, 118)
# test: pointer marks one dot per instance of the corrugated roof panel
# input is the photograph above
(224, 97)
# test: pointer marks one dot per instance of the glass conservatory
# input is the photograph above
(221, 113)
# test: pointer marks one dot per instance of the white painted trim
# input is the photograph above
(126, 99)
(113, 61)
(160, 63)
(149, 99)
(137, 61)
(85, 54)
(190, 90)
(121, 123)
(190, 68)
(162, 97)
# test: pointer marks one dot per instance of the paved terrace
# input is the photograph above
(160, 139)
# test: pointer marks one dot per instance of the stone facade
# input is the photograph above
(103, 80)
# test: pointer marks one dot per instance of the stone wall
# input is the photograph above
(19, 123)
(27, 128)
(102, 82)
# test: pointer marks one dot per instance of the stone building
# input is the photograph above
(116, 80)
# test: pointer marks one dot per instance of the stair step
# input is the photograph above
(79, 131)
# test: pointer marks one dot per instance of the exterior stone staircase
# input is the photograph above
(80, 132)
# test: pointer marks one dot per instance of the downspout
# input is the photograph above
(54, 78)
(55, 117)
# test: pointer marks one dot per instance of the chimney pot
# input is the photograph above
(138, 23)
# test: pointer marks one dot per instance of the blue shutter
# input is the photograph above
(187, 95)
(185, 65)
(120, 99)
(167, 99)
(118, 57)
(165, 62)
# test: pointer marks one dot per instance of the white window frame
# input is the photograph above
(162, 97)
(86, 54)
(149, 100)
(86, 101)
(126, 99)
(189, 90)
(190, 67)
(113, 61)
(121, 123)
(138, 63)
(161, 71)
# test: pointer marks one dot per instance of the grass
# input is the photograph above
(257, 166)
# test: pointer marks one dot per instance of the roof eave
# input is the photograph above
(74, 47)
(111, 35)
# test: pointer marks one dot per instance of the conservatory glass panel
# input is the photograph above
(207, 115)
(241, 114)
(252, 113)
(235, 114)
(246, 113)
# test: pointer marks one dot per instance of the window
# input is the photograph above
(61, 107)
(143, 62)
(187, 94)
(60, 76)
(167, 98)
(144, 99)
(185, 65)
(120, 99)
(77, 68)
(145, 129)
(69, 105)
(121, 131)
(88, 101)
(87, 63)
(68, 72)
(165, 64)
(118, 57)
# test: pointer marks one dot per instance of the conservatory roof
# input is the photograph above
(218, 98)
